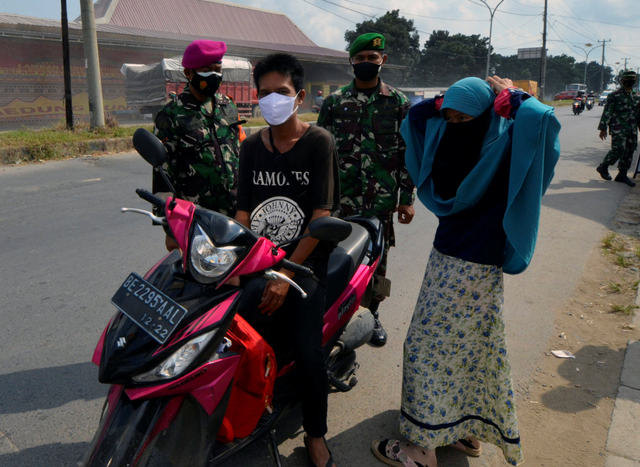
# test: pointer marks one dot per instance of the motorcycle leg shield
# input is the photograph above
(176, 429)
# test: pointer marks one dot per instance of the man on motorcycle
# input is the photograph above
(288, 177)
(200, 131)
(319, 100)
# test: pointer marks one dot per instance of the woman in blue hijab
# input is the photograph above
(481, 159)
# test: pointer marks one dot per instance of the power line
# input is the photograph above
(418, 16)
(350, 9)
(577, 32)
(599, 22)
(335, 14)
(513, 32)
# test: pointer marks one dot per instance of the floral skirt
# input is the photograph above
(456, 375)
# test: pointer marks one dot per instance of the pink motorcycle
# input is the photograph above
(165, 352)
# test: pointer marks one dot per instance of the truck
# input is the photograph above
(527, 85)
(150, 87)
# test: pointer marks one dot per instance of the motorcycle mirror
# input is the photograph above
(149, 147)
(329, 229)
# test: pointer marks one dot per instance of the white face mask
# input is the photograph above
(276, 108)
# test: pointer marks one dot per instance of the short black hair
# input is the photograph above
(285, 64)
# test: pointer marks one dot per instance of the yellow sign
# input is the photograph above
(45, 108)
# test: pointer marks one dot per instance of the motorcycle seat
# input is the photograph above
(344, 260)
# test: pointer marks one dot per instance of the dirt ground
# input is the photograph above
(565, 410)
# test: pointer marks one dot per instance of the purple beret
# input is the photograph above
(202, 53)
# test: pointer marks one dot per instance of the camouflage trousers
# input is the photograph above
(389, 241)
(622, 148)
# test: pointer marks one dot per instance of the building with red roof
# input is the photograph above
(144, 32)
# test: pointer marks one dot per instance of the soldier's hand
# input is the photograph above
(603, 135)
(405, 214)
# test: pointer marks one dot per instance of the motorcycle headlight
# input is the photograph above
(209, 261)
(178, 361)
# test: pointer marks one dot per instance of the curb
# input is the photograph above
(59, 150)
(624, 432)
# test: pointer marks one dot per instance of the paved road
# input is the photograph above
(66, 247)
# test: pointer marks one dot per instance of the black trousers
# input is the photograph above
(297, 325)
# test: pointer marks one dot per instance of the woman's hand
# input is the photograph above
(273, 296)
(499, 84)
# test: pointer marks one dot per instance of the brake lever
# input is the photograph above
(154, 219)
(274, 275)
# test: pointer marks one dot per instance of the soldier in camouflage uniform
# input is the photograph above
(201, 132)
(365, 119)
(621, 116)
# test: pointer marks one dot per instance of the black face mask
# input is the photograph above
(366, 71)
(458, 153)
(628, 83)
(208, 84)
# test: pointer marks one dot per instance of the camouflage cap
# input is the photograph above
(369, 41)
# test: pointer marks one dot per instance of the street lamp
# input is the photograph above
(492, 13)
(617, 67)
(586, 58)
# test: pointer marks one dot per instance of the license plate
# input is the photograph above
(149, 308)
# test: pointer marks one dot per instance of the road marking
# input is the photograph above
(6, 446)
(91, 180)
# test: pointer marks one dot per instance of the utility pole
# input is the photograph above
(543, 57)
(94, 83)
(604, 42)
(66, 62)
(625, 62)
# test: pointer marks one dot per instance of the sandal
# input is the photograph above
(389, 452)
(330, 462)
(468, 448)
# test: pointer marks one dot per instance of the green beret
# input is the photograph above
(369, 41)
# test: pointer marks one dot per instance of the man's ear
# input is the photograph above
(384, 59)
(301, 95)
(188, 72)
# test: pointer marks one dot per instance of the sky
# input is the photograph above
(517, 23)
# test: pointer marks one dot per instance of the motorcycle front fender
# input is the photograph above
(176, 430)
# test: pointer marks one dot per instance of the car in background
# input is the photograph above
(602, 99)
(565, 95)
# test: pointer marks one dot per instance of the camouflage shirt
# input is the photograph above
(373, 175)
(192, 131)
(621, 113)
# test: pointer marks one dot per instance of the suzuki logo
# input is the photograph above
(122, 342)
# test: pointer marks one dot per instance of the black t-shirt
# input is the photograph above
(276, 211)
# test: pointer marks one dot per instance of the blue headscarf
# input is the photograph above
(535, 149)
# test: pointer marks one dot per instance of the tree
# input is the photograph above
(402, 43)
(447, 58)
(561, 70)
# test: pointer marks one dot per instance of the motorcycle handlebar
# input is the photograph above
(153, 199)
(297, 268)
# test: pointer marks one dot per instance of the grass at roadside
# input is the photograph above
(564, 103)
(55, 135)
(623, 252)
(57, 142)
